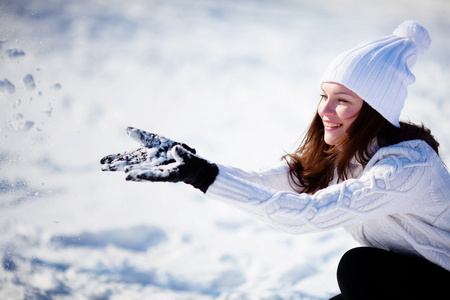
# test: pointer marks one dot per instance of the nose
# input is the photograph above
(327, 108)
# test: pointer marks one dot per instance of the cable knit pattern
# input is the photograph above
(400, 202)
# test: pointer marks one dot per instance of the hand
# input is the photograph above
(154, 152)
(161, 159)
(186, 167)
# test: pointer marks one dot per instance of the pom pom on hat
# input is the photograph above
(415, 33)
(379, 69)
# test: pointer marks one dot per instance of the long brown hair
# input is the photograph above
(312, 166)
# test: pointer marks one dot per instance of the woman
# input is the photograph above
(358, 167)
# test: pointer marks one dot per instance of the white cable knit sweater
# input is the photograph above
(399, 202)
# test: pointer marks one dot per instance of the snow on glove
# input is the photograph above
(161, 159)
(154, 151)
(186, 167)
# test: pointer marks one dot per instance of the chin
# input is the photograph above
(330, 141)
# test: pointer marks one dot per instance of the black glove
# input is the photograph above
(161, 159)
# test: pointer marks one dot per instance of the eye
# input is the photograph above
(322, 97)
(342, 101)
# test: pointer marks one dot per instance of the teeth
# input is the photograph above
(332, 125)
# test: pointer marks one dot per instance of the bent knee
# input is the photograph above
(360, 262)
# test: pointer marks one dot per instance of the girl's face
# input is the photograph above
(339, 107)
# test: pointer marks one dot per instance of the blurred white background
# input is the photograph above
(237, 80)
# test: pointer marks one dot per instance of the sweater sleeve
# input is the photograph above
(393, 179)
(276, 177)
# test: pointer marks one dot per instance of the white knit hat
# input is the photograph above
(378, 70)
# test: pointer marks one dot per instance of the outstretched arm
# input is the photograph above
(392, 181)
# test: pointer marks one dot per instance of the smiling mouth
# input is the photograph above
(331, 125)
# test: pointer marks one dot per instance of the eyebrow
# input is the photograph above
(340, 93)
(347, 94)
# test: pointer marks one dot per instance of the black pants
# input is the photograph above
(370, 273)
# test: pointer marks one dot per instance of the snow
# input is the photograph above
(236, 80)
(28, 80)
(12, 53)
(7, 86)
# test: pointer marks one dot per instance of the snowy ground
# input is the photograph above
(237, 80)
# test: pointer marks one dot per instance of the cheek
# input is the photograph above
(349, 114)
